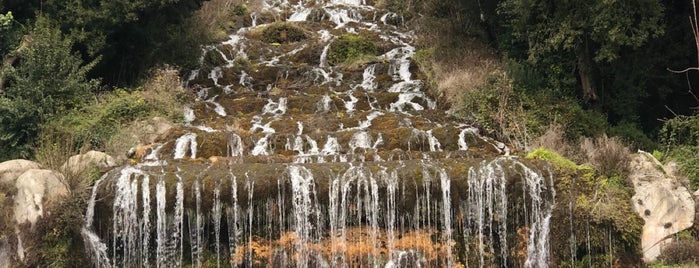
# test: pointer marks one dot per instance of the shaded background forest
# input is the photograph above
(518, 68)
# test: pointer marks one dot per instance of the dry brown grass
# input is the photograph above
(460, 73)
(608, 155)
(53, 151)
(553, 139)
(216, 17)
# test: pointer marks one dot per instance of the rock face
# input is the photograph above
(37, 188)
(5, 260)
(148, 131)
(665, 205)
(80, 163)
(10, 170)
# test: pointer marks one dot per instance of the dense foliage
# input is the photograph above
(55, 53)
(51, 81)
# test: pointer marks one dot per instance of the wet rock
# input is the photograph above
(12, 169)
(665, 205)
(79, 164)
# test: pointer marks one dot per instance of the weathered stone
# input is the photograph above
(78, 164)
(37, 189)
(148, 131)
(5, 258)
(12, 169)
(665, 205)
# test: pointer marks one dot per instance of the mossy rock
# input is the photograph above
(349, 47)
(552, 157)
(283, 33)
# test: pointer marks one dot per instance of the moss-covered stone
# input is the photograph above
(350, 47)
(282, 33)
(552, 157)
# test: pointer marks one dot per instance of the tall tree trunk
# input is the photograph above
(585, 73)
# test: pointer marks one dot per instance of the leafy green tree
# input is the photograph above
(131, 36)
(49, 81)
(591, 31)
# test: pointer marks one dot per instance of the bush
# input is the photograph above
(681, 252)
(49, 82)
(349, 47)
(98, 123)
(608, 155)
(680, 139)
(282, 33)
(554, 158)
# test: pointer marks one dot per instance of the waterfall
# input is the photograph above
(292, 160)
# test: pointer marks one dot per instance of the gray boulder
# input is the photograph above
(666, 206)
(78, 164)
(12, 169)
(38, 189)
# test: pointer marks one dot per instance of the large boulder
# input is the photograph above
(38, 189)
(666, 206)
(12, 169)
(78, 164)
(148, 131)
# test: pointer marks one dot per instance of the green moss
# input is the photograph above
(552, 157)
(349, 47)
(281, 33)
(240, 10)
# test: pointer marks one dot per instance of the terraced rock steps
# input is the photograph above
(292, 157)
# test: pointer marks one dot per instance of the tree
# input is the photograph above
(592, 31)
(49, 80)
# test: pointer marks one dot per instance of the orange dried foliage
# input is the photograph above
(357, 247)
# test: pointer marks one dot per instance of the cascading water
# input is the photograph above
(297, 162)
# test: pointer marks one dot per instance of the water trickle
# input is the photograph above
(324, 59)
(94, 247)
(275, 108)
(305, 205)
(300, 15)
(185, 142)
(262, 146)
(216, 214)
(127, 236)
(162, 242)
(368, 78)
(245, 80)
(235, 145)
(324, 104)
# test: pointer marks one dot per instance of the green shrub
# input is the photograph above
(350, 47)
(61, 243)
(633, 135)
(282, 33)
(97, 124)
(680, 139)
(552, 157)
(49, 81)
